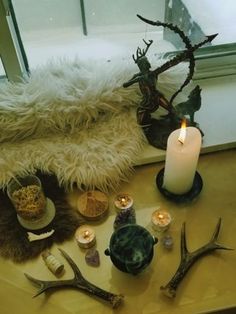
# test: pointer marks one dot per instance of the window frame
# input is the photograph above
(211, 61)
(12, 52)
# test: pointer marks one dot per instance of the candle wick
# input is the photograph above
(181, 141)
(86, 234)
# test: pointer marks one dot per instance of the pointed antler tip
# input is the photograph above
(211, 37)
(62, 252)
(228, 248)
(144, 19)
(29, 277)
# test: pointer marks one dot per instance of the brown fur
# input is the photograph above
(14, 242)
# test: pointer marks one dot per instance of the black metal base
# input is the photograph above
(184, 198)
(159, 130)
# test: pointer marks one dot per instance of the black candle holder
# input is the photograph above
(183, 198)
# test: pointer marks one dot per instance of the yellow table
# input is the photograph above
(209, 285)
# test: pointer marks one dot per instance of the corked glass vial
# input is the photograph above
(55, 266)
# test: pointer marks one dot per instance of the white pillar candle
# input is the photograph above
(181, 160)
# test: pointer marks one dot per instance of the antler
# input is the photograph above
(78, 282)
(141, 53)
(188, 259)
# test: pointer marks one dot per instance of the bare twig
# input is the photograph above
(78, 282)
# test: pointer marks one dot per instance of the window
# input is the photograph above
(105, 29)
(87, 29)
(206, 17)
(33, 32)
(200, 18)
(11, 48)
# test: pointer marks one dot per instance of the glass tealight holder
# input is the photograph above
(27, 196)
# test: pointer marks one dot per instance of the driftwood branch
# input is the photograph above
(78, 282)
(189, 258)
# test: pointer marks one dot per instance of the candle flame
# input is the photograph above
(86, 233)
(123, 201)
(182, 134)
(161, 216)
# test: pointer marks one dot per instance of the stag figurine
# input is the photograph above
(152, 97)
(157, 133)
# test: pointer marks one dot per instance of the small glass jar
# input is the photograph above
(27, 196)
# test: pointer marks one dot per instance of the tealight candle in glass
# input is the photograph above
(123, 201)
(85, 237)
(161, 220)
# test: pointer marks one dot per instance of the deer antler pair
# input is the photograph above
(142, 52)
(78, 282)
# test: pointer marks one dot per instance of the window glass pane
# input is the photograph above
(117, 30)
(54, 28)
(214, 17)
(200, 18)
(48, 28)
(49, 15)
(104, 17)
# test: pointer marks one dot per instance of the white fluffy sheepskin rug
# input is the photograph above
(74, 120)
